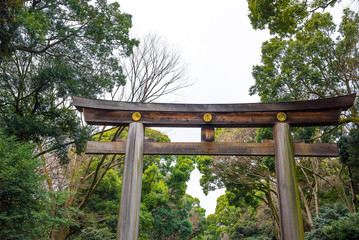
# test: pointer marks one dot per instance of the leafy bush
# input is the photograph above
(329, 214)
(346, 228)
(20, 190)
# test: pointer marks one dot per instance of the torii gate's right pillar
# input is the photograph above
(291, 223)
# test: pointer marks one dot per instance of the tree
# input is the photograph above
(98, 220)
(310, 57)
(248, 179)
(25, 206)
(344, 228)
(51, 50)
(234, 222)
(93, 169)
(317, 59)
(91, 29)
(153, 70)
(20, 190)
(171, 209)
(329, 215)
(286, 17)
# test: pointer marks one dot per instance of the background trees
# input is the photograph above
(21, 196)
(309, 56)
(317, 60)
(51, 50)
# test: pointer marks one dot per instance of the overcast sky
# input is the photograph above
(220, 47)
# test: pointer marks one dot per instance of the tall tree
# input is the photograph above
(27, 209)
(20, 189)
(310, 57)
(51, 50)
(319, 60)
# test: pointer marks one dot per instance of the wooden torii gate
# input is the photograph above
(280, 116)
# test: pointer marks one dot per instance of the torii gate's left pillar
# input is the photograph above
(128, 221)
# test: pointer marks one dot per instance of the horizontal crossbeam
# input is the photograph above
(230, 149)
(190, 119)
(319, 112)
(343, 102)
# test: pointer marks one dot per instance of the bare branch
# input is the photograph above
(152, 71)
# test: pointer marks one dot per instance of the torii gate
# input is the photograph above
(280, 116)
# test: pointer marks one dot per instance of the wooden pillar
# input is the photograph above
(128, 221)
(291, 223)
(207, 134)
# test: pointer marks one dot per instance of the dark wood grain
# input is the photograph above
(207, 134)
(291, 223)
(233, 149)
(194, 119)
(343, 102)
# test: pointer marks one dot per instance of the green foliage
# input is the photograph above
(224, 219)
(180, 175)
(51, 50)
(234, 222)
(328, 214)
(349, 155)
(246, 178)
(279, 16)
(99, 217)
(284, 17)
(95, 233)
(311, 57)
(349, 152)
(20, 190)
(38, 27)
(197, 217)
(27, 211)
(346, 228)
(166, 211)
(154, 189)
(311, 64)
(146, 223)
(171, 221)
(209, 182)
(317, 59)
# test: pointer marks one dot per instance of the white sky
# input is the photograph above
(220, 47)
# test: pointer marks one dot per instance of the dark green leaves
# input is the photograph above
(51, 50)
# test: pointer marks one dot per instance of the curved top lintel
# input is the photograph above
(341, 102)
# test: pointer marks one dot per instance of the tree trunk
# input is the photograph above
(315, 192)
(307, 209)
(61, 233)
(352, 189)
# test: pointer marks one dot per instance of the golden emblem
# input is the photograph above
(136, 116)
(281, 116)
(207, 117)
